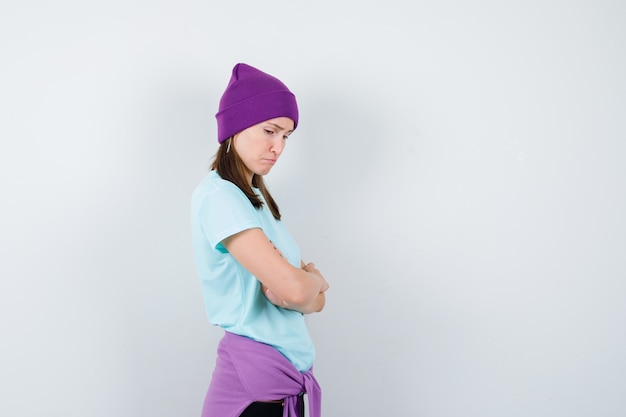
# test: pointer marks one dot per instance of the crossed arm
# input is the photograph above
(283, 284)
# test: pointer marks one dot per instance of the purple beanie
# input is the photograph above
(252, 97)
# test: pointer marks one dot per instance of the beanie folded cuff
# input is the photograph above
(254, 110)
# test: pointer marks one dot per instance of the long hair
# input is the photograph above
(229, 165)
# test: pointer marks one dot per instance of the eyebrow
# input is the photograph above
(279, 127)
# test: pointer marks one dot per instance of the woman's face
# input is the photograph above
(260, 146)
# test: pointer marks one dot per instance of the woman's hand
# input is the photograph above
(316, 306)
(310, 267)
(320, 301)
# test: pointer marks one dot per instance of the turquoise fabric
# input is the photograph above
(232, 295)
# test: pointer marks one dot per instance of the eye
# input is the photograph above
(269, 131)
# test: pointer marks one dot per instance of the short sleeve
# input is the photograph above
(225, 211)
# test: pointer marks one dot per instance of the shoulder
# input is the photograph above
(220, 201)
(220, 209)
(213, 187)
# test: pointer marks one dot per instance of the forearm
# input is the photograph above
(294, 287)
(302, 293)
(315, 307)
(318, 302)
(310, 303)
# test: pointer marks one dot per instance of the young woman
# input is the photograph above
(254, 282)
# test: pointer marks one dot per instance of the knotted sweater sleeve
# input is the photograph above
(247, 371)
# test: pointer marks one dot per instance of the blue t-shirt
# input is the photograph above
(232, 295)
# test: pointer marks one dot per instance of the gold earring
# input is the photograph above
(228, 148)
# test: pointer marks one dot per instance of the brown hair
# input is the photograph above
(229, 165)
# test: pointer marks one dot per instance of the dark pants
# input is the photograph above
(260, 409)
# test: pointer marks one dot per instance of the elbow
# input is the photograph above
(298, 289)
(299, 294)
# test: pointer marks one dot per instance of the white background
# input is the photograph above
(458, 176)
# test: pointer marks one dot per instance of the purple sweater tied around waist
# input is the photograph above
(247, 371)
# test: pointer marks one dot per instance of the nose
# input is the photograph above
(278, 145)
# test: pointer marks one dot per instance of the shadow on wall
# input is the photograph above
(346, 214)
(335, 153)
